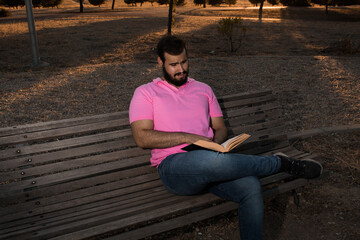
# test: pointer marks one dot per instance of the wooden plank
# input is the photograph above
(42, 148)
(262, 117)
(61, 132)
(243, 95)
(250, 110)
(174, 223)
(43, 126)
(257, 127)
(248, 102)
(93, 210)
(67, 176)
(37, 170)
(47, 232)
(146, 193)
(72, 186)
(96, 193)
(39, 157)
(153, 212)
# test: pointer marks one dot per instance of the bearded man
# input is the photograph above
(174, 111)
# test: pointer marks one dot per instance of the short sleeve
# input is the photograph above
(141, 106)
(214, 106)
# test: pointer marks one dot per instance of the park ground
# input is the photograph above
(308, 59)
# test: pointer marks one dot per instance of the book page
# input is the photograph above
(210, 145)
(235, 141)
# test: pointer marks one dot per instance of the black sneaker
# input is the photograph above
(306, 168)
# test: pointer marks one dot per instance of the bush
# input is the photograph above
(36, 3)
(296, 3)
(199, 2)
(233, 30)
(12, 3)
(96, 2)
(230, 2)
(50, 3)
(179, 3)
(4, 13)
(176, 2)
(215, 2)
(273, 2)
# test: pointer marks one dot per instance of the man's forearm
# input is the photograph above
(158, 139)
(220, 135)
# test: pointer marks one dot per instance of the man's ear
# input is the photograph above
(160, 61)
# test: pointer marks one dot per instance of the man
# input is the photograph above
(174, 111)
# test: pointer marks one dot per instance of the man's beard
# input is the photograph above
(173, 80)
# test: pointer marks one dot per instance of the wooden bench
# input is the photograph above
(85, 178)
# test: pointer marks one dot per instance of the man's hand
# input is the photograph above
(220, 130)
(146, 137)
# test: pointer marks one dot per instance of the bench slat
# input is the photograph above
(44, 126)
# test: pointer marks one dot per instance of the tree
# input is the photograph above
(260, 8)
(50, 3)
(214, 2)
(273, 2)
(36, 3)
(200, 2)
(230, 2)
(96, 2)
(297, 3)
(12, 3)
(176, 2)
(328, 3)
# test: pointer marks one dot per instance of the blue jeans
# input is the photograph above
(230, 176)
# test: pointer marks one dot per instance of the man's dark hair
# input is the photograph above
(170, 44)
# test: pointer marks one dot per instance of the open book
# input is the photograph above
(226, 146)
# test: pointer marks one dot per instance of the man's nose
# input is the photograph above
(181, 67)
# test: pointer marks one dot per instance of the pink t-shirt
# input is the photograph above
(185, 109)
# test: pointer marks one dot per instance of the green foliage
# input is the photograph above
(97, 2)
(296, 3)
(233, 30)
(4, 13)
(12, 3)
(215, 2)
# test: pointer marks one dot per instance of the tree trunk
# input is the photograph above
(327, 7)
(113, 4)
(81, 6)
(170, 16)
(204, 4)
(260, 10)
